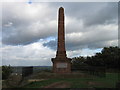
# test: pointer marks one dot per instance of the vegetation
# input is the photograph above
(82, 82)
(6, 71)
(107, 58)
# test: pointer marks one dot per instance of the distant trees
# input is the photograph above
(78, 62)
(109, 57)
(6, 71)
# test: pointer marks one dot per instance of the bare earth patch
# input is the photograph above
(94, 83)
(59, 85)
(35, 80)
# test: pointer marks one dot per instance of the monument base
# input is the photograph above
(61, 65)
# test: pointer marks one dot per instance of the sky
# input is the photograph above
(29, 30)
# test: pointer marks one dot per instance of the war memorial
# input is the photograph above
(61, 64)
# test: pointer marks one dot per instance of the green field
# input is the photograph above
(77, 81)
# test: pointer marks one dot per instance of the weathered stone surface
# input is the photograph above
(61, 56)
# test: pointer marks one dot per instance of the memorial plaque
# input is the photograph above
(61, 65)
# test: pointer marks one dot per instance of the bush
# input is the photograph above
(6, 71)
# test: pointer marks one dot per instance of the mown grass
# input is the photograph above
(81, 82)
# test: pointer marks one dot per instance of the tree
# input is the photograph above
(6, 71)
(109, 57)
(78, 62)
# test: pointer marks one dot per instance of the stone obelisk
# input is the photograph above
(61, 64)
(61, 52)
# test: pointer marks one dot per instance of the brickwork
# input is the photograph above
(61, 64)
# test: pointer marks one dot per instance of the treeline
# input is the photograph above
(109, 57)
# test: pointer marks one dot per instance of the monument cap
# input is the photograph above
(61, 8)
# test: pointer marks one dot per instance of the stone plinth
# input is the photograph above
(61, 65)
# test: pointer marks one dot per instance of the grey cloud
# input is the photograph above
(51, 44)
(96, 37)
(26, 34)
(71, 46)
(106, 15)
(32, 54)
(92, 13)
(27, 29)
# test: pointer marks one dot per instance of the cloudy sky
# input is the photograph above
(29, 30)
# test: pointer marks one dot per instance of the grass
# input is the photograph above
(41, 83)
(81, 82)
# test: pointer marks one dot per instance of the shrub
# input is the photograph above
(6, 71)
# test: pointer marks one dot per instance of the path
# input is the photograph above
(59, 85)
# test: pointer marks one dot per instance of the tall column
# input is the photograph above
(61, 52)
(61, 64)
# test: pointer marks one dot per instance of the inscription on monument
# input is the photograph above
(61, 65)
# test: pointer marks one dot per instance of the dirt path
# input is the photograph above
(59, 85)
